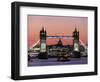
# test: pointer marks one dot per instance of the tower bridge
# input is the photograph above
(43, 46)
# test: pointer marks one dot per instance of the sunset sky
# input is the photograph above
(56, 25)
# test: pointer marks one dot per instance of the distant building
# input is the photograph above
(54, 49)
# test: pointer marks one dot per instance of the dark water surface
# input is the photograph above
(53, 61)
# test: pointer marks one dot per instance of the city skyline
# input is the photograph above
(56, 26)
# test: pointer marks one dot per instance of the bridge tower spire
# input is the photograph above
(43, 34)
(76, 50)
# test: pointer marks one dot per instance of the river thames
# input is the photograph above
(53, 61)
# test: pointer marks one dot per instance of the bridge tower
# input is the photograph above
(43, 51)
(76, 50)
